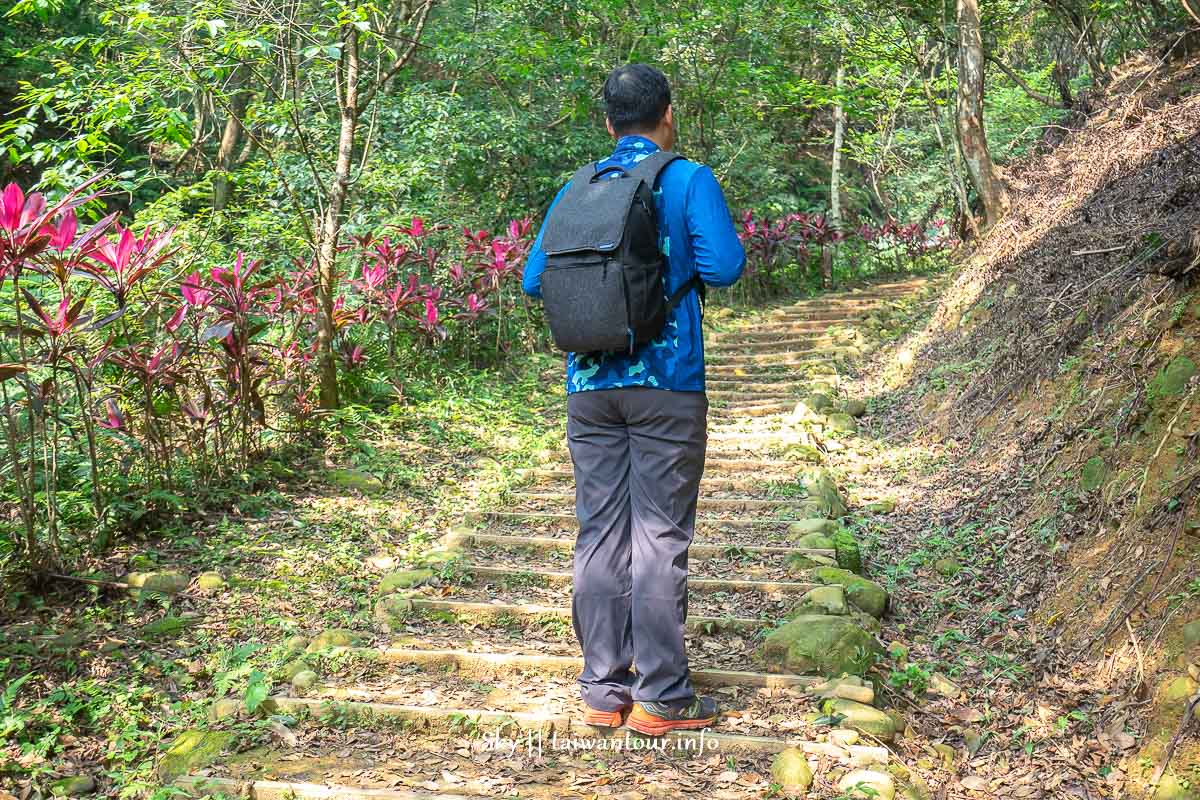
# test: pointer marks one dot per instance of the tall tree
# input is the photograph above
(835, 174)
(969, 107)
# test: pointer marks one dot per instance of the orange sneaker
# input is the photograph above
(655, 719)
(604, 719)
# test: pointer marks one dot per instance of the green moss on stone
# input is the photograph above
(334, 637)
(864, 594)
(404, 579)
(820, 644)
(1172, 379)
(1093, 475)
(191, 751)
(355, 480)
(163, 582)
(849, 555)
(791, 771)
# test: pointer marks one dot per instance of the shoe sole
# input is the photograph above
(656, 726)
(603, 719)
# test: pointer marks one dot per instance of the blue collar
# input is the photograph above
(633, 145)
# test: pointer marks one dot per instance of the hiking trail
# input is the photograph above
(466, 686)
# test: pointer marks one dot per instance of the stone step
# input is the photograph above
(697, 552)
(768, 381)
(772, 330)
(484, 613)
(788, 359)
(749, 395)
(278, 775)
(565, 518)
(705, 503)
(485, 721)
(795, 376)
(549, 578)
(751, 481)
(761, 409)
(469, 662)
(790, 344)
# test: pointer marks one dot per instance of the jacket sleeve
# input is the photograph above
(719, 254)
(531, 280)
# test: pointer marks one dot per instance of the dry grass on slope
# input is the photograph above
(1055, 375)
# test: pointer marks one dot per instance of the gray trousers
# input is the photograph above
(638, 456)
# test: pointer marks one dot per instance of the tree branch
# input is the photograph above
(422, 17)
(1019, 81)
(1187, 6)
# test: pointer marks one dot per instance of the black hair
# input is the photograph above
(636, 97)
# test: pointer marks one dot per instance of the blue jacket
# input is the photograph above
(697, 236)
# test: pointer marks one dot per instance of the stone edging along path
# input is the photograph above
(783, 624)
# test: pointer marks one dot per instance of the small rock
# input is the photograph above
(73, 786)
(863, 594)
(847, 687)
(1171, 380)
(163, 581)
(191, 751)
(841, 423)
(1171, 788)
(855, 408)
(392, 612)
(973, 740)
(295, 644)
(844, 736)
(355, 480)
(334, 637)
(916, 789)
(941, 685)
(1093, 475)
(820, 644)
(1180, 689)
(210, 581)
(819, 402)
(847, 551)
(1191, 633)
(441, 556)
(885, 505)
(791, 771)
(304, 680)
(825, 600)
(947, 753)
(863, 718)
(404, 579)
(293, 668)
(814, 541)
(806, 527)
(868, 783)
(947, 567)
(225, 708)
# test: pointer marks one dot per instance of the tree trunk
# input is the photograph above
(829, 254)
(331, 224)
(971, 133)
(951, 152)
(231, 138)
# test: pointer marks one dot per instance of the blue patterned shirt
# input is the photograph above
(697, 236)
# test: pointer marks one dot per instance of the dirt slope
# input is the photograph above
(1053, 393)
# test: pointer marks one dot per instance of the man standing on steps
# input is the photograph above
(637, 424)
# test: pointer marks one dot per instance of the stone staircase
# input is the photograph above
(473, 693)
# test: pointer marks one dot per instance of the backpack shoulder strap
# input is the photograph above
(649, 167)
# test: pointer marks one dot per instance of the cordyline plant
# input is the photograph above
(123, 385)
(799, 239)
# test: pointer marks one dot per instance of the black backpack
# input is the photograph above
(604, 284)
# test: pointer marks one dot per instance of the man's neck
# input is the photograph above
(653, 136)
